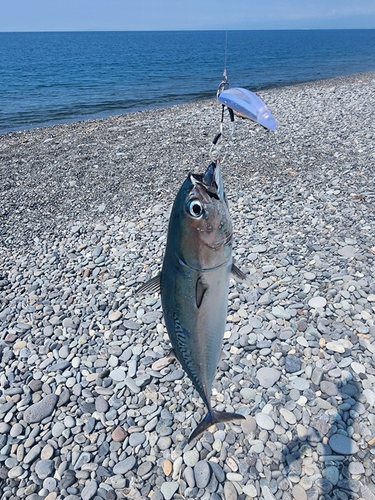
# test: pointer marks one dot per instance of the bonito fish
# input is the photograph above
(194, 282)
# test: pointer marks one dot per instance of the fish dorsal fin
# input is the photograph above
(237, 273)
(151, 286)
(200, 290)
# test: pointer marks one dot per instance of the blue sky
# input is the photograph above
(83, 15)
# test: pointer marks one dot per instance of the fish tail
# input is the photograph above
(213, 417)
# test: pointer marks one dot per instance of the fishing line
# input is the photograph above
(223, 85)
(225, 55)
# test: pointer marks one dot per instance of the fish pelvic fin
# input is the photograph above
(213, 417)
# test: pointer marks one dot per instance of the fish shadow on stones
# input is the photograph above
(324, 435)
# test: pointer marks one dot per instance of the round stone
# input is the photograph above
(288, 415)
(164, 443)
(136, 438)
(268, 376)
(169, 488)
(369, 394)
(58, 428)
(301, 384)
(44, 468)
(356, 468)
(317, 302)
(248, 393)
(309, 276)
(328, 388)
(167, 467)
(15, 472)
(347, 251)
(332, 474)
(38, 411)
(69, 421)
(250, 490)
(230, 492)
(50, 484)
(16, 430)
(336, 346)
(248, 425)
(292, 363)
(191, 457)
(118, 375)
(47, 452)
(124, 466)
(358, 367)
(101, 404)
(119, 434)
(202, 474)
(342, 444)
(144, 468)
(89, 490)
(299, 493)
(114, 315)
(264, 421)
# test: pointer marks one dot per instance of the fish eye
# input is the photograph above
(195, 208)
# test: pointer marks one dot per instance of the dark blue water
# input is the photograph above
(48, 78)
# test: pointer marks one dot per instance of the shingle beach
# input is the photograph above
(92, 406)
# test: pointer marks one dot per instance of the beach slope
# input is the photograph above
(91, 406)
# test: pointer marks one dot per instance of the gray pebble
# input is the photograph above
(332, 474)
(189, 476)
(144, 468)
(44, 468)
(268, 376)
(124, 466)
(230, 492)
(202, 474)
(169, 488)
(38, 411)
(292, 363)
(16, 430)
(264, 421)
(301, 384)
(32, 454)
(89, 490)
(191, 457)
(328, 388)
(343, 445)
(218, 471)
(101, 404)
(136, 438)
(356, 468)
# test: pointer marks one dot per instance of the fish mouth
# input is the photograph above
(225, 240)
(211, 181)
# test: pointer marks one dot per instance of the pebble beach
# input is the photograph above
(92, 405)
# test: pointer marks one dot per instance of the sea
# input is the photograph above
(54, 77)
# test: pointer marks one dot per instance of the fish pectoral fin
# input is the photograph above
(151, 286)
(200, 289)
(213, 417)
(238, 274)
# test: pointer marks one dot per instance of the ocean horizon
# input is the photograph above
(56, 77)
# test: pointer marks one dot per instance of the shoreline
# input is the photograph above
(91, 404)
(106, 115)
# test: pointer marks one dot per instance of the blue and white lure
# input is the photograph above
(245, 104)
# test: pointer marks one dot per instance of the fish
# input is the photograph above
(247, 105)
(194, 282)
